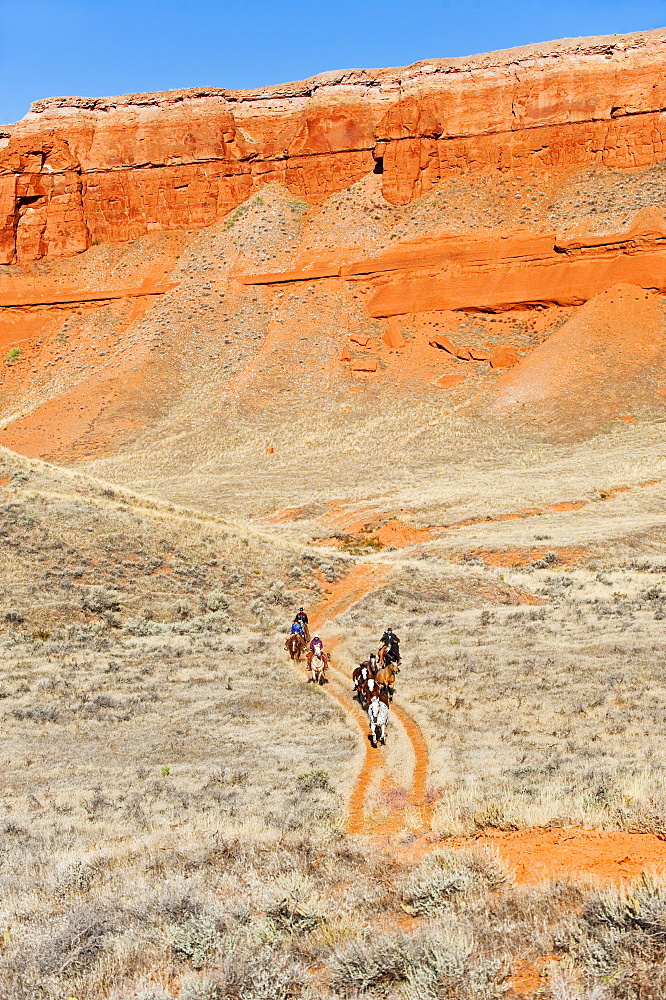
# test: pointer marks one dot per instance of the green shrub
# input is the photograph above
(235, 216)
(196, 940)
(314, 779)
(429, 965)
(443, 875)
(13, 354)
(361, 544)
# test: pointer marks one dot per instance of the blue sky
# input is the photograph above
(104, 47)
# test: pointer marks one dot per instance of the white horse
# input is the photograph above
(378, 714)
(317, 665)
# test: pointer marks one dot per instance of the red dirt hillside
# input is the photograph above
(606, 358)
(401, 234)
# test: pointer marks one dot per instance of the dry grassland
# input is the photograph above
(174, 795)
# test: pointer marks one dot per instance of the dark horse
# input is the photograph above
(388, 658)
(295, 645)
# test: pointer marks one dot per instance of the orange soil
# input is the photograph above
(355, 809)
(521, 557)
(392, 532)
(599, 364)
(342, 594)
(527, 978)
(606, 856)
(88, 420)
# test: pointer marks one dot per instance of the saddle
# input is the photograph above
(322, 656)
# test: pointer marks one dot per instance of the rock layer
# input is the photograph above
(493, 274)
(78, 170)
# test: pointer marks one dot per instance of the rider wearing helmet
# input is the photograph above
(316, 648)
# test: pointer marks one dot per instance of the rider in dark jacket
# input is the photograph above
(301, 617)
(392, 644)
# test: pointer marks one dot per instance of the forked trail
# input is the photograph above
(390, 789)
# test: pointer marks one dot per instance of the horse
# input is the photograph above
(378, 714)
(386, 680)
(370, 689)
(295, 645)
(387, 658)
(366, 689)
(361, 674)
(371, 664)
(317, 664)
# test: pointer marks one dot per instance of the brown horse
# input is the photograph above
(367, 690)
(386, 680)
(361, 675)
(371, 664)
(295, 645)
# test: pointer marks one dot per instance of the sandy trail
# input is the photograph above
(390, 788)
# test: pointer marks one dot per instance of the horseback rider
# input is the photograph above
(390, 647)
(316, 648)
(304, 621)
(297, 629)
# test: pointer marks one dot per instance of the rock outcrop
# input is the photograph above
(78, 170)
(494, 273)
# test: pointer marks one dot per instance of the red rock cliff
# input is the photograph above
(77, 170)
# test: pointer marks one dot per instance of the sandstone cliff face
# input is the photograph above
(77, 170)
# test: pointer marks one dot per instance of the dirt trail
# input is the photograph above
(390, 789)
(341, 595)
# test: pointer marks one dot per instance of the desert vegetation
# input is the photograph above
(198, 910)
(175, 795)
